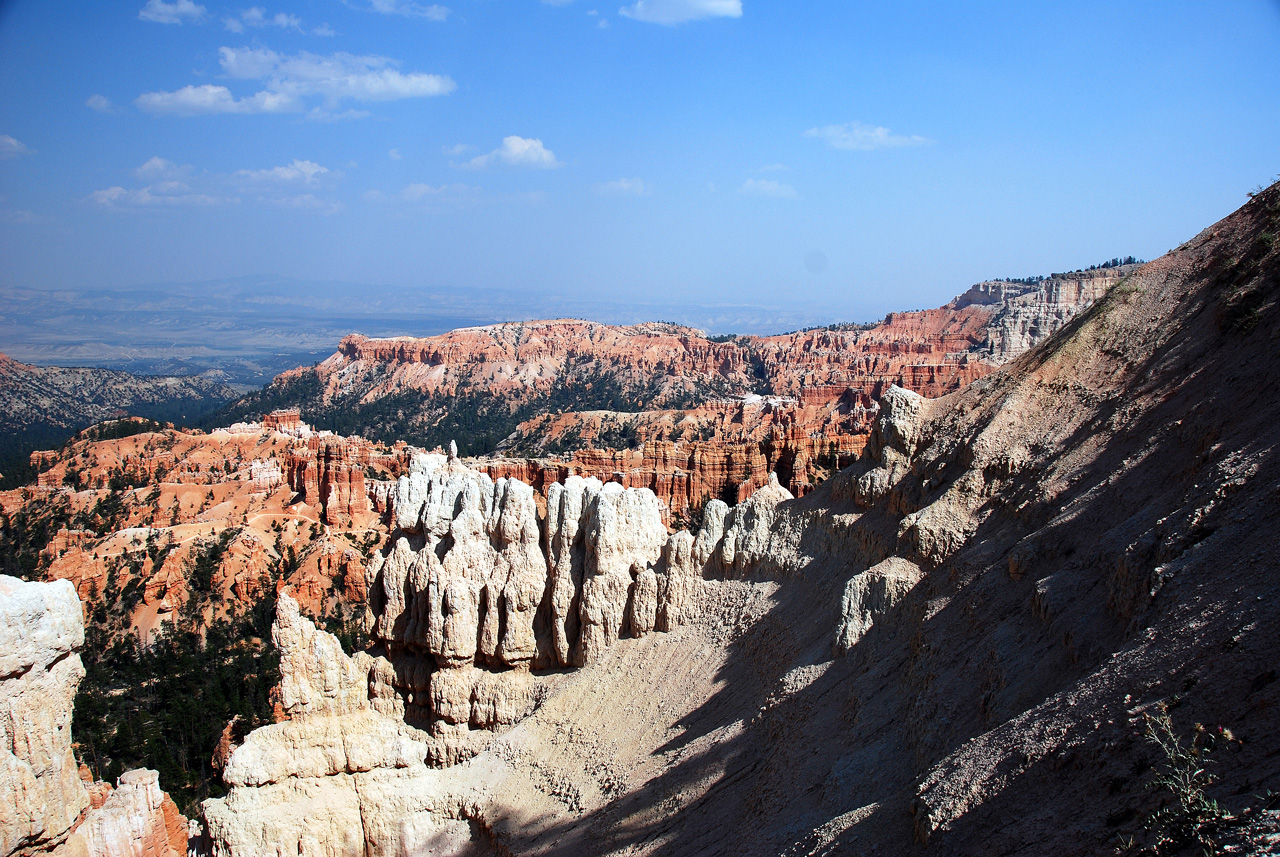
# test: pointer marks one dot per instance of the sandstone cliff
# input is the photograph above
(490, 386)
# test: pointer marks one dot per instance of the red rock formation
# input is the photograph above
(183, 497)
(287, 421)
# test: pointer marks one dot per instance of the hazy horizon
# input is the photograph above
(819, 163)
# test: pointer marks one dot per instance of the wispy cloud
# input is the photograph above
(767, 187)
(160, 195)
(177, 12)
(410, 9)
(291, 82)
(168, 185)
(517, 152)
(678, 11)
(624, 187)
(856, 136)
(304, 202)
(100, 103)
(419, 192)
(21, 215)
(210, 98)
(305, 172)
(157, 168)
(394, 154)
(11, 148)
(256, 16)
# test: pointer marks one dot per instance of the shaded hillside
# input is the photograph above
(42, 406)
(949, 648)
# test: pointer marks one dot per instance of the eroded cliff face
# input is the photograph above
(478, 610)
(575, 395)
(45, 806)
(41, 795)
(473, 593)
(945, 649)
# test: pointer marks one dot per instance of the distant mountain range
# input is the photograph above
(42, 406)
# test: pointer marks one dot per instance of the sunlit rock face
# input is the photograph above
(41, 795)
(44, 804)
(475, 592)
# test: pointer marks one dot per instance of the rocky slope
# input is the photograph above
(43, 405)
(946, 649)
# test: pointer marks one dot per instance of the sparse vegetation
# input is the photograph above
(1189, 817)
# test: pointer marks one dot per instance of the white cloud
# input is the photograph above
(21, 215)
(419, 192)
(167, 185)
(416, 191)
(678, 11)
(409, 9)
(160, 12)
(256, 16)
(855, 135)
(208, 98)
(304, 171)
(161, 168)
(323, 30)
(517, 152)
(767, 187)
(100, 103)
(394, 154)
(11, 148)
(290, 81)
(622, 187)
(161, 195)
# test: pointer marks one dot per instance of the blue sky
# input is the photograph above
(852, 157)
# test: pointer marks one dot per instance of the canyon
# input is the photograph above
(904, 588)
(945, 648)
(663, 406)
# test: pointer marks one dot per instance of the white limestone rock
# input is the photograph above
(892, 443)
(41, 796)
(624, 536)
(747, 528)
(870, 594)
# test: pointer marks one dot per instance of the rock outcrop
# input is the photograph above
(948, 648)
(41, 795)
(336, 778)
(45, 806)
(471, 595)
(137, 819)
